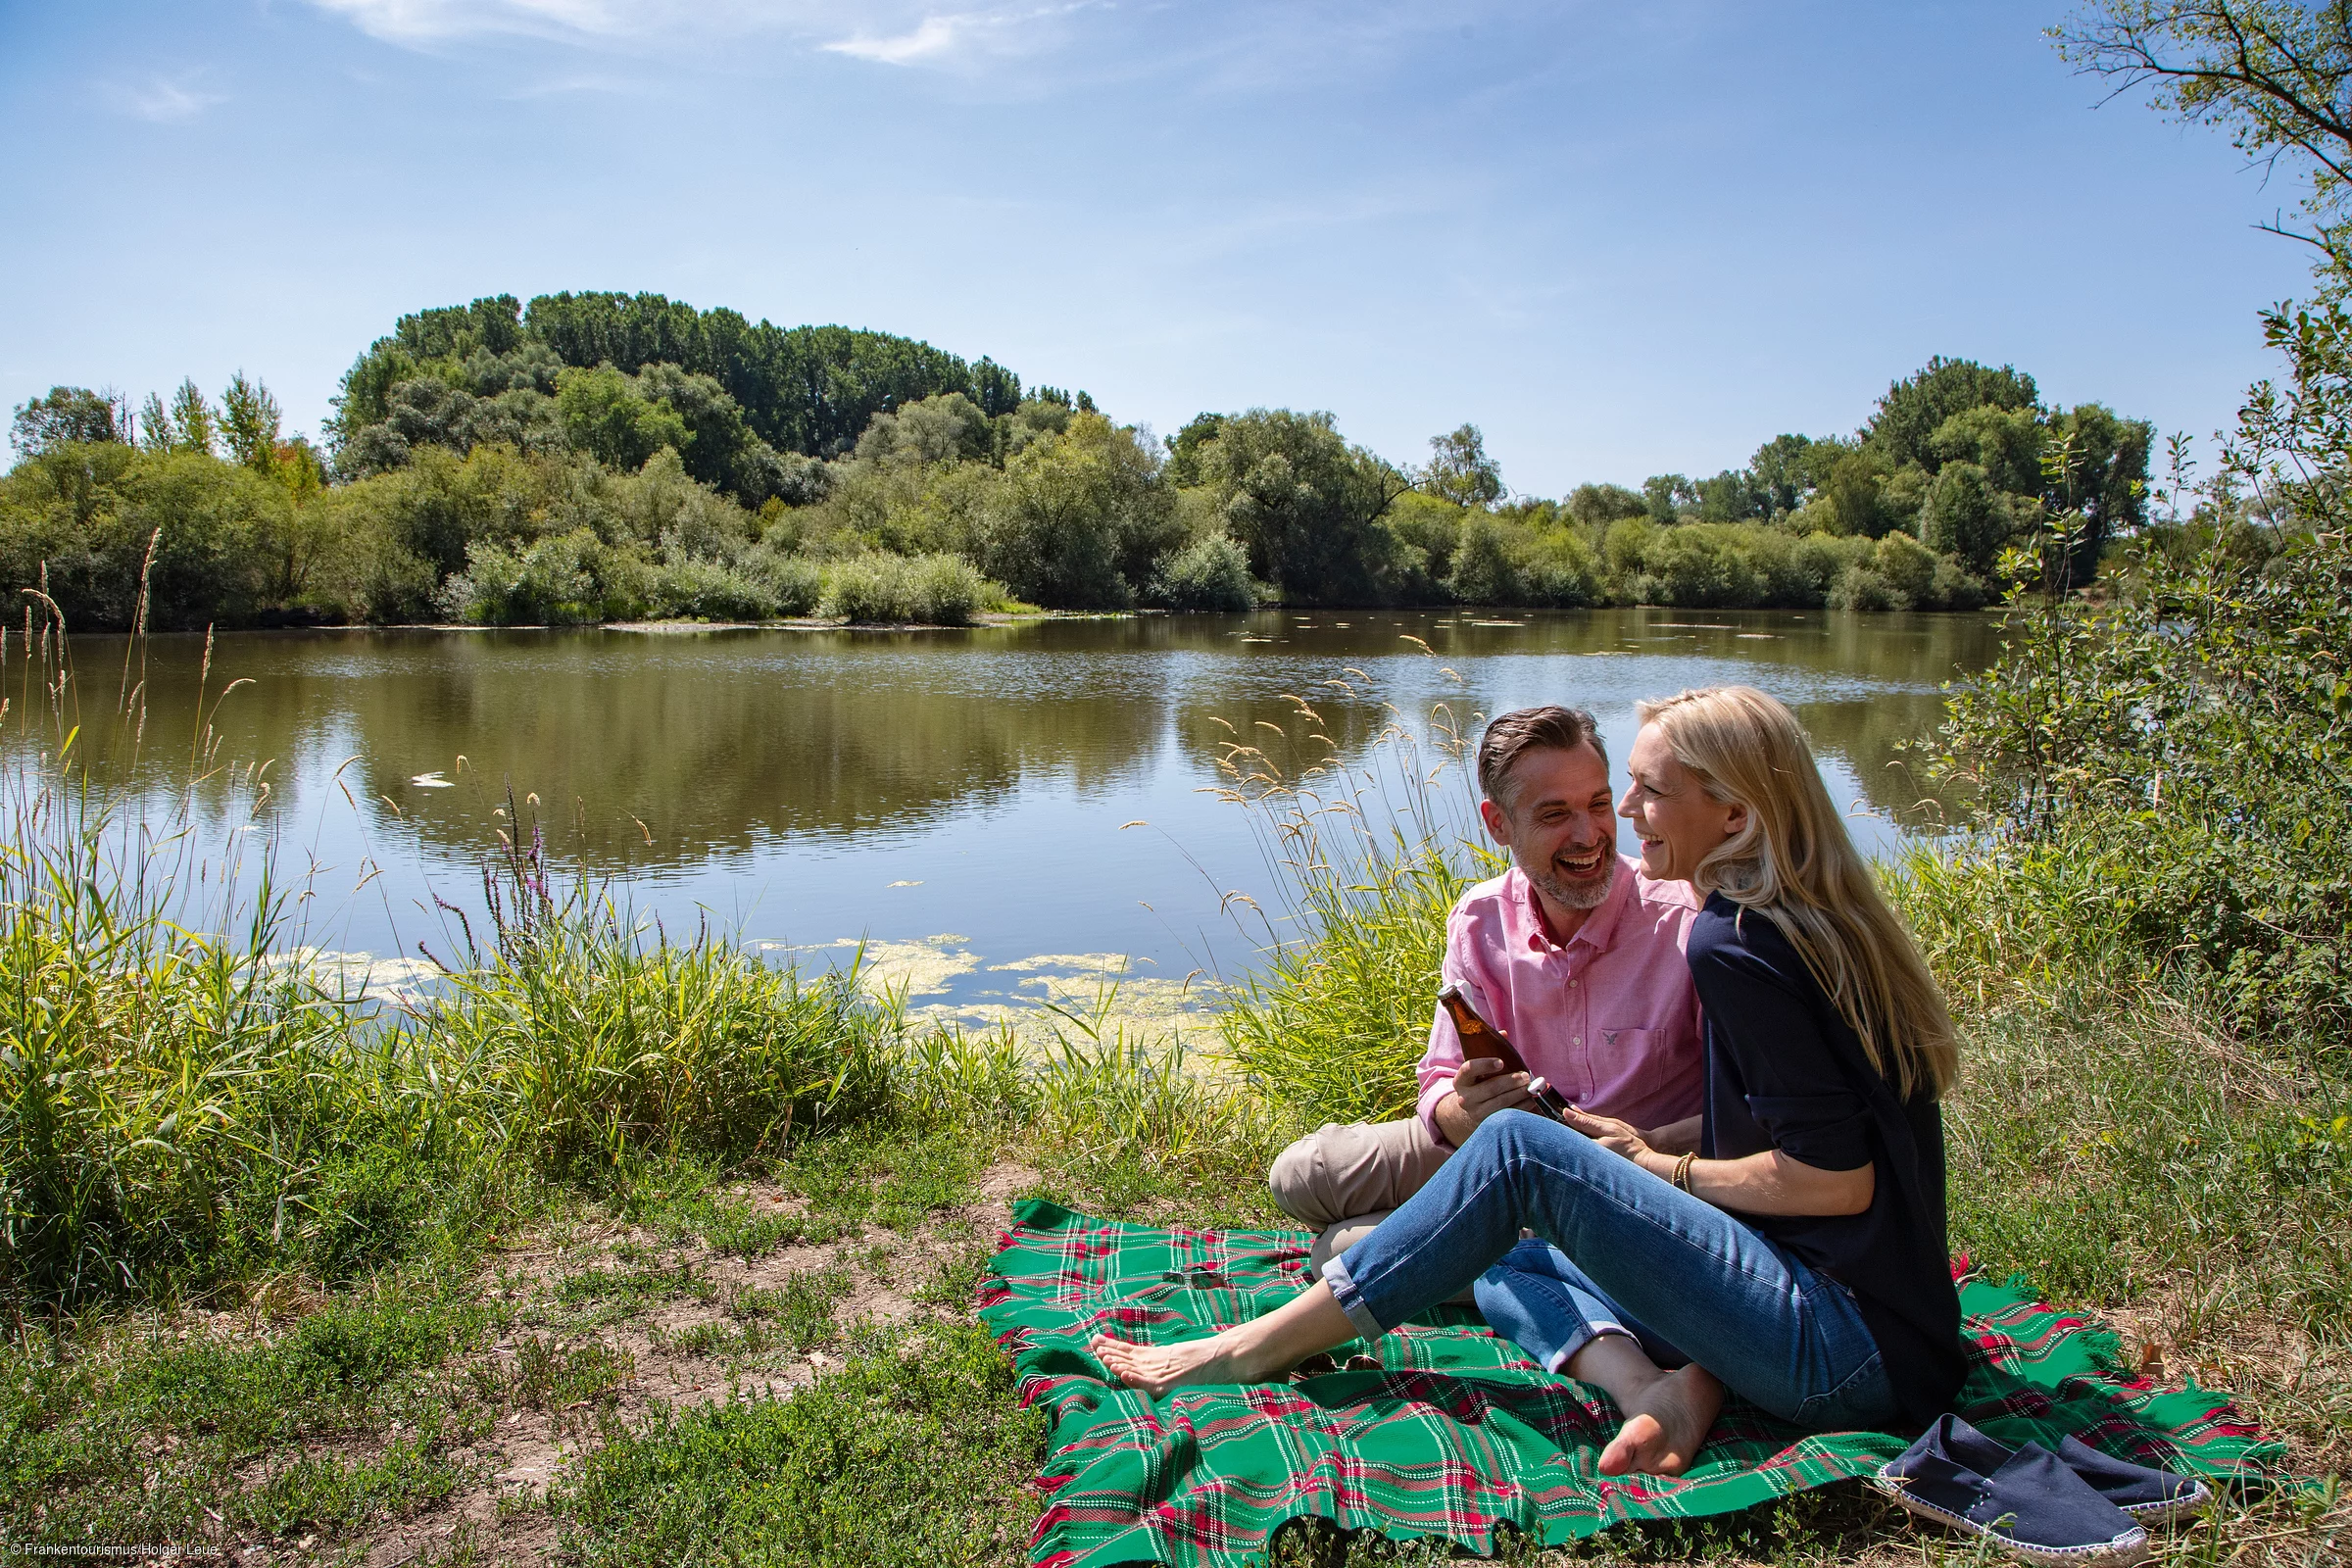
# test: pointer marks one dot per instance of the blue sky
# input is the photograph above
(1622, 240)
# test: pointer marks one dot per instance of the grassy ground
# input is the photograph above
(620, 1252)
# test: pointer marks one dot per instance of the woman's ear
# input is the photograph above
(1734, 823)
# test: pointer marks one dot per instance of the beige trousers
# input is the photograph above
(1343, 1180)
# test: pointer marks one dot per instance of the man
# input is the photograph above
(1573, 954)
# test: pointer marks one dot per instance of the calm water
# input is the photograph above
(955, 798)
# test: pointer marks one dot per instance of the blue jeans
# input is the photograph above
(1636, 1254)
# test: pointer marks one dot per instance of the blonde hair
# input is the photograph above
(1796, 864)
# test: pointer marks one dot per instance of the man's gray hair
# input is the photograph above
(1512, 736)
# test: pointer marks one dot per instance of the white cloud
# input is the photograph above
(932, 37)
(424, 21)
(163, 100)
(893, 33)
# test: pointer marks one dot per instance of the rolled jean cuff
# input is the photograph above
(1557, 1363)
(1351, 1299)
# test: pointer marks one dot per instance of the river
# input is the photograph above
(963, 801)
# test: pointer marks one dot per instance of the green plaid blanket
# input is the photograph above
(1451, 1431)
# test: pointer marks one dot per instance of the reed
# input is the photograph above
(1369, 858)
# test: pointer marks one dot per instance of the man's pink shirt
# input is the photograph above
(1610, 1016)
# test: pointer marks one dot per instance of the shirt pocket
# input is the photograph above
(1627, 1061)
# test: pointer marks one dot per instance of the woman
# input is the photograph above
(1798, 1255)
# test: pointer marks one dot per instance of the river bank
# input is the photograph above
(521, 1266)
(533, 1287)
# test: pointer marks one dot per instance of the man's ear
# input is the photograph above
(1497, 820)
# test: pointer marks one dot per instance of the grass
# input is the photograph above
(134, 1429)
(915, 1455)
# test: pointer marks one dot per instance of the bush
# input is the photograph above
(80, 517)
(931, 590)
(2181, 745)
(1483, 571)
(691, 589)
(570, 580)
(794, 584)
(1213, 573)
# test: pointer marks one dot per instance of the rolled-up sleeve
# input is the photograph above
(1444, 1056)
(1830, 1132)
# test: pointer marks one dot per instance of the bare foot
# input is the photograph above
(1665, 1425)
(1155, 1369)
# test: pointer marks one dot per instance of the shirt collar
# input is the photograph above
(1600, 927)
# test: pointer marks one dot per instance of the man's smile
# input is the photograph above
(1580, 863)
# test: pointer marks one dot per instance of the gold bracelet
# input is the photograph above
(1681, 1171)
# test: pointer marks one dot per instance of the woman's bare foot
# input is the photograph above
(1155, 1369)
(1256, 1352)
(1666, 1423)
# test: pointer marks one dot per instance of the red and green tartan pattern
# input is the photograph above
(1452, 1432)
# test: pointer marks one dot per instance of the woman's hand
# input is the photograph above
(1617, 1137)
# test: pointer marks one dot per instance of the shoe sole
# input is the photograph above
(2165, 1513)
(2122, 1551)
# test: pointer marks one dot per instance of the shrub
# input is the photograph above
(1213, 573)
(1558, 572)
(80, 519)
(2180, 747)
(794, 584)
(568, 580)
(940, 590)
(1483, 571)
(688, 588)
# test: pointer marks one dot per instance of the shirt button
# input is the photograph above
(1580, 1040)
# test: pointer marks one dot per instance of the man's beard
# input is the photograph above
(1589, 894)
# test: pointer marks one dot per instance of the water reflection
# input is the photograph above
(829, 784)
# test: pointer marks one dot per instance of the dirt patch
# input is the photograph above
(2294, 1387)
(691, 1345)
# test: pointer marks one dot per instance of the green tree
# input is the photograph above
(1307, 506)
(1855, 493)
(2005, 443)
(1903, 427)
(186, 424)
(1731, 496)
(1782, 473)
(249, 424)
(1596, 506)
(1459, 469)
(1666, 494)
(1080, 519)
(604, 417)
(1967, 517)
(2106, 482)
(1184, 448)
(949, 427)
(67, 414)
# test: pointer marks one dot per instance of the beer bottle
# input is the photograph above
(1482, 1039)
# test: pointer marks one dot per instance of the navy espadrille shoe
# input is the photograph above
(2151, 1496)
(2026, 1499)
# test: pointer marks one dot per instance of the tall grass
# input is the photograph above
(183, 1103)
(1369, 860)
(578, 1039)
(176, 1109)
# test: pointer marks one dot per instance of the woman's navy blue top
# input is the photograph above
(1786, 1071)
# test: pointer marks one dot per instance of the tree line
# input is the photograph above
(598, 456)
